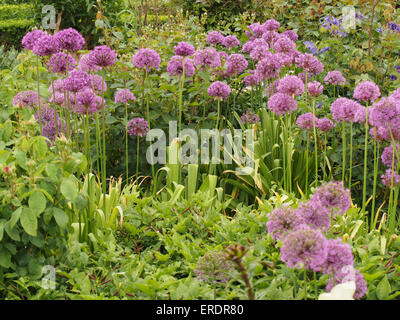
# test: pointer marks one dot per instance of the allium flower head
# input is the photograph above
(269, 67)
(58, 85)
(259, 52)
(308, 62)
(306, 121)
(26, 99)
(291, 35)
(315, 88)
(325, 124)
(86, 101)
(48, 126)
(348, 273)
(207, 57)
(252, 79)
(60, 62)
(57, 98)
(214, 267)
(46, 45)
(270, 36)
(230, 42)
(281, 103)
(388, 157)
(304, 247)
(281, 221)
(29, 40)
(86, 65)
(124, 96)
(214, 37)
(367, 91)
(291, 85)
(69, 39)
(138, 127)
(335, 78)
(249, 117)
(344, 109)
(175, 66)
(396, 94)
(339, 256)
(314, 215)
(97, 84)
(257, 30)
(386, 114)
(102, 56)
(77, 81)
(284, 44)
(184, 49)
(334, 196)
(271, 25)
(236, 64)
(390, 179)
(219, 90)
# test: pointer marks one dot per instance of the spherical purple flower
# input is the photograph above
(97, 84)
(291, 35)
(86, 65)
(334, 197)
(223, 55)
(291, 85)
(124, 96)
(335, 78)
(281, 221)
(269, 67)
(366, 91)
(270, 36)
(252, 79)
(184, 49)
(26, 99)
(314, 215)
(259, 52)
(60, 62)
(386, 114)
(325, 124)
(271, 25)
(49, 129)
(344, 109)
(257, 30)
(57, 98)
(236, 64)
(249, 117)
(138, 127)
(315, 88)
(58, 85)
(86, 101)
(230, 42)
(348, 273)
(390, 179)
(76, 81)
(175, 66)
(395, 94)
(207, 57)
(304, 247)
(46, 45)
(214, 37)
(388, 157)
(306, 121)
(339, 256)
(46, 115)
(308, 62)
(29, 40)
(102, 56)
(219, 90)
(69, 39)
(284, 44)
(281, 103)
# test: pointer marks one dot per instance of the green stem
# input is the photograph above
(137, 157)
(126, 144)
(376, 166)
(344, 151)
(351, 154)
(365, 161)
(38, 90)
(104, 161)
(315, 144)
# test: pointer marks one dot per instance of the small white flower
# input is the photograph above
(343, 291)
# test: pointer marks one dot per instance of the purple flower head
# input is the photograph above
(69, 39)
(184, 49)
(223, 55)
(219, 90)
(58, 85)
(214, 37)
(97, 84)
(236, 64)
(124, 96)
(390, 179)
(214, 267)
(367, 91)
(306, 121)
(46, 45)
(230, 42)
(60, 62)
(30, 39)
(259, 52)
(335, 78)
(339, 256)
(348, 273)
(271, 25)
(281, 221)
(395, 94)
(86, 65)
(175, 66)
(315, 88)
(281, 103)
(389, 155)
(138, 127)
(385, 115)
(344, 109)
(308, 62)
(26, 99)
(207, 57)
(270, 36)
(86, 101)
(77, 81)
(252, 79)
(249, 117)
(291, 35)
(304, 247)
(314, 215)
(291, 85)
(257, 30)
(325, 124)
(46, 115)
(269, 67)
(57, 98)
(102, 56)
(334, 197)
(284, 44)
(48, 126)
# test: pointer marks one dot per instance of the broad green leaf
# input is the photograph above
(15, 217)
(29, 221)
(383, 289)
(5, 258)
(40, 147)
(37, 202)
(69, 189)
(61, 217)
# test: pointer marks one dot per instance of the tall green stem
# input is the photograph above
(365, 160)
(126, 144)
(104, 161)
(351, 154)
(344, 151)
(315, 144)
(38, 90)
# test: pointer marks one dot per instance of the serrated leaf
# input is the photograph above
(69, 189)
(29, 221)
(37, 202)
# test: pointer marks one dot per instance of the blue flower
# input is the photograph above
(319, 105)
(379, 30)
(393, 77)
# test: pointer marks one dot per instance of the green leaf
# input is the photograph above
(61, 217)
(29, 221)
(69, 190)
(383, 289)
(5, 258)
(2, 223)
(37, 202)
(40, 147)
(15, 217)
